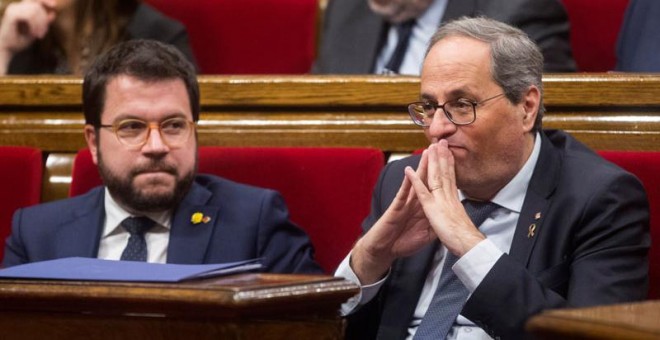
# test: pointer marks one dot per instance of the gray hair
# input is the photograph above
(516, 61)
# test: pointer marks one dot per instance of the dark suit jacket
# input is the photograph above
(639, 38)
(353, 35)
(590, 247)
(146, 23)
(246, 223)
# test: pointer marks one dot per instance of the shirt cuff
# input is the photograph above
(367, 292)
(473, 267)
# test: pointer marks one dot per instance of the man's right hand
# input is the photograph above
(22, 23)
(401, 231)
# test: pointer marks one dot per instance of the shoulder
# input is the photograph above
(60, 211)
(219, 190)
(585, 173)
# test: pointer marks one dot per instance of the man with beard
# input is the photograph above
(364, 36)
(501, 219)
(141, 105)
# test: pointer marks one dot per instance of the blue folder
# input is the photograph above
(91, 269)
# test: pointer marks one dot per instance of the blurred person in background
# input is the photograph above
(64, 36)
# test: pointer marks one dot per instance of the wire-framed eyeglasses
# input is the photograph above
(460, 111)
(135, 132)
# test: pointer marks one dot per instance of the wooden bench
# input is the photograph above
(606, 111)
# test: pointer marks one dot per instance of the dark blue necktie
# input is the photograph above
(136, 248)
(404, 31)
(450, 296)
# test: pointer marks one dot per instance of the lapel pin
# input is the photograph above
(537, 216)
(531, 230)
(198, 218)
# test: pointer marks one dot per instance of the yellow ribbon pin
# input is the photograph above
(531, 230)
(198, 218)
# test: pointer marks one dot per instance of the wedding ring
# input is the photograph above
(435, 188)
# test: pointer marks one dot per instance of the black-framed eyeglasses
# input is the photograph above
(135, 132)
(460, 111)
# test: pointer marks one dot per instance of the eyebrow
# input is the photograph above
(460, 92)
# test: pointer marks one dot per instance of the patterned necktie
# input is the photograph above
(136, 249)
(404, 31)
(450, 296)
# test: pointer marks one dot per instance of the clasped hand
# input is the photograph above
(425, 208)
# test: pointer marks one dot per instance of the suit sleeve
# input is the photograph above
(283, 246)
(605, 262)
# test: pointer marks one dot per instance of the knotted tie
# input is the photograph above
(404, 31)
(136, 249)
(450, 296)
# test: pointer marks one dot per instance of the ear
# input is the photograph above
(530, 105)
(91, 139)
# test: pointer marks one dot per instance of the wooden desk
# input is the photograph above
(246, 306)
(624, 321)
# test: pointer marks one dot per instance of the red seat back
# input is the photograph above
(327, 190)
(21, 175)
(248, 36)
(595, 27)
(646, 166)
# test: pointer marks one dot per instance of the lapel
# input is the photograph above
(189, 240)
(400, 299)
(541, 186)
(458, 8)
(81, 235)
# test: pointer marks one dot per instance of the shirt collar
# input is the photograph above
(513, 194)
(115, 214)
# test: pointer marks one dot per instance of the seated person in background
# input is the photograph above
(363, 36)
(141, 102)
(639, 39)
(534, 218)
(64, 36)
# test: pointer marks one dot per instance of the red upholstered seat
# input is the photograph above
(21, 175)
(595, 28)
(327, 190)
(248, 36)
(646, 166)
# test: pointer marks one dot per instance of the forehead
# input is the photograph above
(131, 97)
(457, 65)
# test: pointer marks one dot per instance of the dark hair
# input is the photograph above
(516, 61)
(146, 60)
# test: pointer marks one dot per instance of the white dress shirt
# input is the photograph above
(425, 26)
(473, 267)
(114, 237)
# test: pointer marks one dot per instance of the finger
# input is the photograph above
(402, 195)
(422, 167)
(421, 191)
(447, 169)
(434, 176)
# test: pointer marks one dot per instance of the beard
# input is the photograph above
(124, 191)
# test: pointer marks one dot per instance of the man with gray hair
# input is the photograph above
(501, 219)
(390, 36)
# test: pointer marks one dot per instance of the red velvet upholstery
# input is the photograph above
(595, 28)
(646, 166)
(327, 190)
(248, 36)
(20, 174)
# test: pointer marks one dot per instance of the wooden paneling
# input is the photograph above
(606, 111)
(244, 306)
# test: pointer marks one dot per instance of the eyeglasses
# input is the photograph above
(460, 112)
(135, 132)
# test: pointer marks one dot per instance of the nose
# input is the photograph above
(441, 127)
(155, 142)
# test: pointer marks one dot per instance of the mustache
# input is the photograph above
(155, 166)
